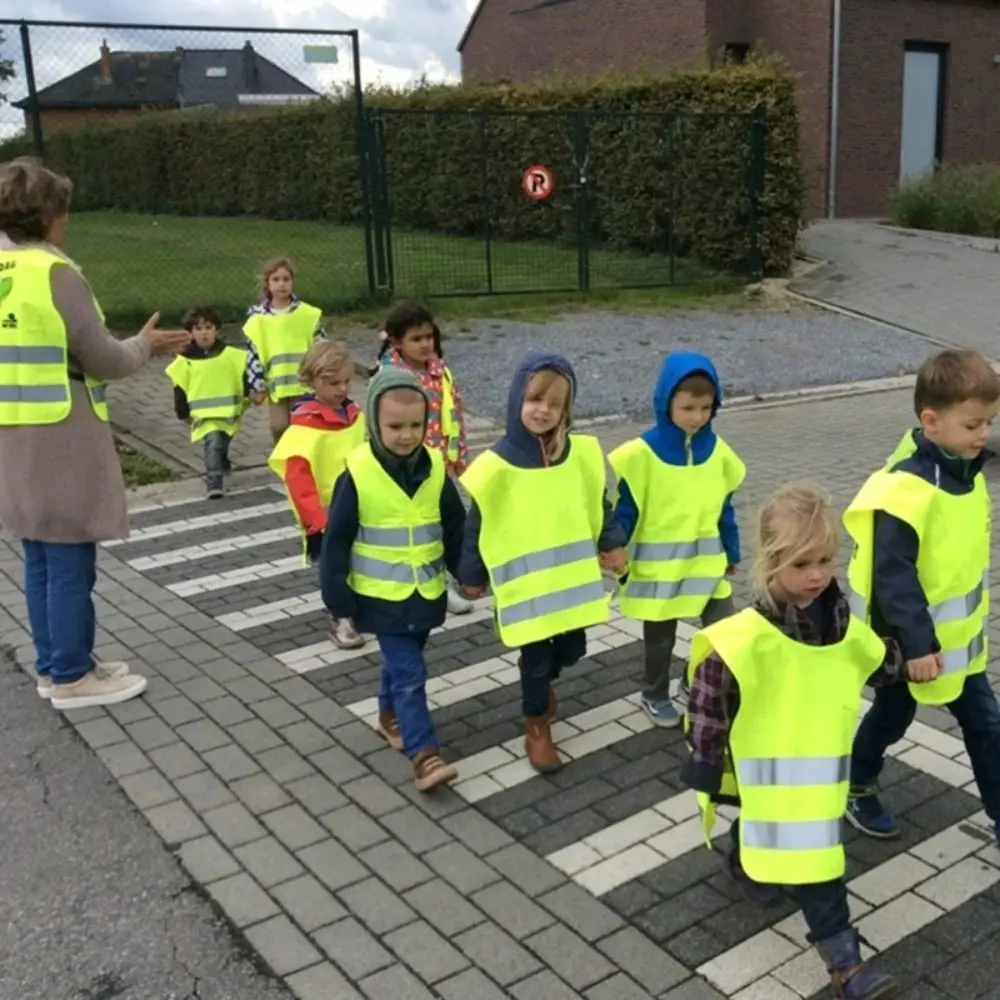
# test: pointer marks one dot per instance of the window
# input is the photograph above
(736, 53)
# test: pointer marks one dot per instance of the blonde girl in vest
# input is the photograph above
(280, 329)
(325, 428)
(775, 696)
(411, 340)
(212, 388)
(539, 531)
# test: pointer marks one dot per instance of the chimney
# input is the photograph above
(249, 68)
(105, 62)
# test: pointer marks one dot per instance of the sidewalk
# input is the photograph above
(253, 757)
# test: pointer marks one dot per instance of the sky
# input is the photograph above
(401, 40)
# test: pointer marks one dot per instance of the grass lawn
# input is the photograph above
(139, 469)
(138, 264)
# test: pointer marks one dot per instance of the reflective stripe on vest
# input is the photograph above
(282, 341)
(398, 548)
(213, 402)
(957, 589)
(539, 541)
(790, 742)
(677, 562)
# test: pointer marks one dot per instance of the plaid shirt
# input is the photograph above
(714, 699)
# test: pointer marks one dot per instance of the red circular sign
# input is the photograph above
(537, 183)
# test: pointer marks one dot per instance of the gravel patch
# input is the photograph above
(617, 357)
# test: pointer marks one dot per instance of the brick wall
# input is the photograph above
(872, 90)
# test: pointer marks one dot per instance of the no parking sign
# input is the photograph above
(537, 183)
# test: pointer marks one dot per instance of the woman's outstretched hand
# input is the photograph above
(163, 341)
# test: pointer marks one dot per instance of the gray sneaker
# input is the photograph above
(661, 712)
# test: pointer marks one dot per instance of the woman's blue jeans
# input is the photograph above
(58, 587)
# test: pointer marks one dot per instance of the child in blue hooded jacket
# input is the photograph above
(539, 532)
(675, 488)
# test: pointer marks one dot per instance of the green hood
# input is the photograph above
(383, 381)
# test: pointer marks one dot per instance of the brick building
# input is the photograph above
(887, 88)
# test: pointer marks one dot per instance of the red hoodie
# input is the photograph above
(299, 479)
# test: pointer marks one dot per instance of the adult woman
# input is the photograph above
(61, 489)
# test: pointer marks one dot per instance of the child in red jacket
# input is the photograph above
(324, 429)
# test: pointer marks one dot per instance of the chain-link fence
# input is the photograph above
(196, 154)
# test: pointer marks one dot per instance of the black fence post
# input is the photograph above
(38, 140)
(363, 169)
(484, 182)
(758, 129)
(581, 149)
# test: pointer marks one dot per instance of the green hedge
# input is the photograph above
(962, 200)
(300, 163)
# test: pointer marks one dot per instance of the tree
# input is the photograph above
(7, 71)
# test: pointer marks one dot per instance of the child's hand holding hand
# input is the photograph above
(924, 669)
(257, 398)
(731, 570)
(473, 593)
(615, 561)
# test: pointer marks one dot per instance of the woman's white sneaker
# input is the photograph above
(93, 689)
(116, 668)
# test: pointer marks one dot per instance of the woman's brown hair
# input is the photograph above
(32, 197)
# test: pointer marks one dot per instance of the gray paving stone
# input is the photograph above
(618, 987)
(122, 759)
(268, 862)
(150, 734)
(417, 831)
(426, 952)
(649, 965)
(308, 903)
(378, 907)
(204, 791)
(439, 904)
(227, 711)
(326, 713)
(200, 689)
(456, 864)
(255, 736)
(284, 764)
(224, 671)
(297, 690)
(306, 737)
(101, 732)
(234, 824)
(374, 795)
(578, 909)
(294, 827)
(394, 864)
(395, 983)
(277, 712)
(444, 801)
(202, 735)
(469, 985)
(130, 711)
(571, 958)
(244, 901)
(175, 822)
(260, 793)
(207, 860)
(176, 760)
(354, 828)
(282, 945)
(525, 869)
(321, 982)
(316, 794)
(332, 865)
(495, 952)
(477, 832)
(230, 762)
(698, 989)
(338, 765)
(353, 949)
(148, 788)
(544, 986)
(391, 765)
(177, 711)
(250, 690)
(512, 910)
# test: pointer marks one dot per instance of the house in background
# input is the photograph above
(887, 89)
(127, 83)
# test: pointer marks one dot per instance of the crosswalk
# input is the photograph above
(615, 820)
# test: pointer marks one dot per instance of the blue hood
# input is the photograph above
(667, 440)
(518, 445)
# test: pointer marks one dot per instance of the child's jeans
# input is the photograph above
(216, 444)
(404, 678)
(823, 904)
(976, 712)
(658, 646)
(542, 662)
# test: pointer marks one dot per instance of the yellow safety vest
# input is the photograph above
(281, 341)
(326, 452)
(791, 741)
(214, 390)
(676, 560)
(952, 567)
(34, 361)
(451, 421)
(539, 541)
(399, 547)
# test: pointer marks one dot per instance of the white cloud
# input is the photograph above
(401, 40)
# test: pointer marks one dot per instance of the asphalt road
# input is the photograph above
(92, 906)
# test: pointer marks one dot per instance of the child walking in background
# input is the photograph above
(325, 428)
(775, 696)
(675, 489)
(396, 522)
(539, 530)
(412, 342)
(212, 386)
(280, 330)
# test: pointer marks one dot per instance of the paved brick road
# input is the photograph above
(253, 758)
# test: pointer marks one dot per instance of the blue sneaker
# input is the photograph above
(867, 814)
(661, 711)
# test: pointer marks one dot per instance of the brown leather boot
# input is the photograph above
(429, 770)
(538, 745)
